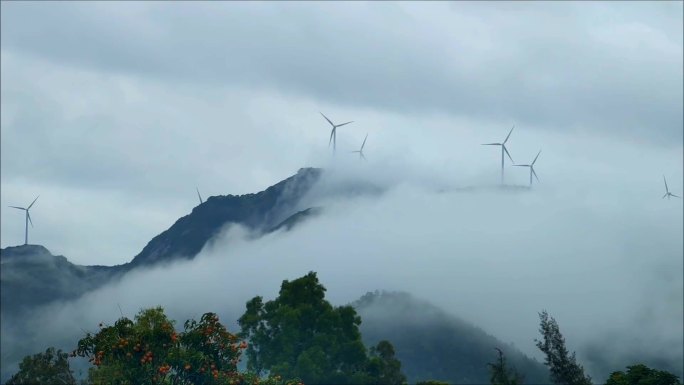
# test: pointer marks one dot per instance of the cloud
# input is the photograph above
(133, 106)
(609, 67)
(114, 113)
(492, 257)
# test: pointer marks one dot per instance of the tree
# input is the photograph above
(563, 366)
(300, 334)
(501, 374)
(384, 367)
(51, 367)
(640, 374)
(150, 351)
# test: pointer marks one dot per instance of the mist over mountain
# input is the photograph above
(367, 230)
(32, 276)
(433, 344)
(260, 213)
(117, 113)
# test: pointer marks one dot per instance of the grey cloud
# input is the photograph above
(479, 254)
(115, 112)
(615, 67)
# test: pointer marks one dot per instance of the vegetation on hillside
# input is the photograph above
(299, 337)
(562, 365)
(640, 374)
(301, 334)
(51, 367)
(434, 344)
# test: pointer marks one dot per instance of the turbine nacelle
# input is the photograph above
(531, 166)
(333, 132)
(668, 194)
(503, 150)
(28, 217)
(360, 151)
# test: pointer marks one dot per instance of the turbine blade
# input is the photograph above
(535, 158)
(29, 218)
(364, 141)
(34, 201)
(331, 136)
(340, 125)
(521, 165)
(664, 180)
(534, 173)
(362, 156)
(509, 155)
(491, 144)
(676, 196)
(509, 134)
(20, 208)
(664, 196)
(326, 118)
(198, 195)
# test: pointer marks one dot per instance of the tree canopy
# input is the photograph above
(150, 351)
(300, 334)
(51, 367)
(501, 374)
(562, 365)
(641, 374)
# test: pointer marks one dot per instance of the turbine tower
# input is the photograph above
(333, 133)
(503, 149)
(198, 195)
(531, 166)
(28, 218)
(668, 194)
(360, 151)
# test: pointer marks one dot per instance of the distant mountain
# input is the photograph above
(435, 345)
(32, 276)
(261, 212)
(431, 343)
(296, 218)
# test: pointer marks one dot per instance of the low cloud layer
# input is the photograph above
(115, 112)
(604, 261)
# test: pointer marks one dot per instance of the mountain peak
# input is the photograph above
(260, 212)
(24, 251)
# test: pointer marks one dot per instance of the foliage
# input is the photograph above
(436, 345)
(300, 334)
(150, 351)
(501, 374)
(384, 367)
(432, 382)
(563, 366)
(51, 367)
(640, 374)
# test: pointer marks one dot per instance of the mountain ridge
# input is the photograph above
(33, 276)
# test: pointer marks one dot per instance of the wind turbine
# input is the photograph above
(503, 149)
(531, 166)
(360, 151)
(668, 194)
(28, 218)
(333, 133)
(198, 194)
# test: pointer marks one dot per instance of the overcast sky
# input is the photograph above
(115, 111)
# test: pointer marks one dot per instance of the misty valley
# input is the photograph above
(385, 336)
